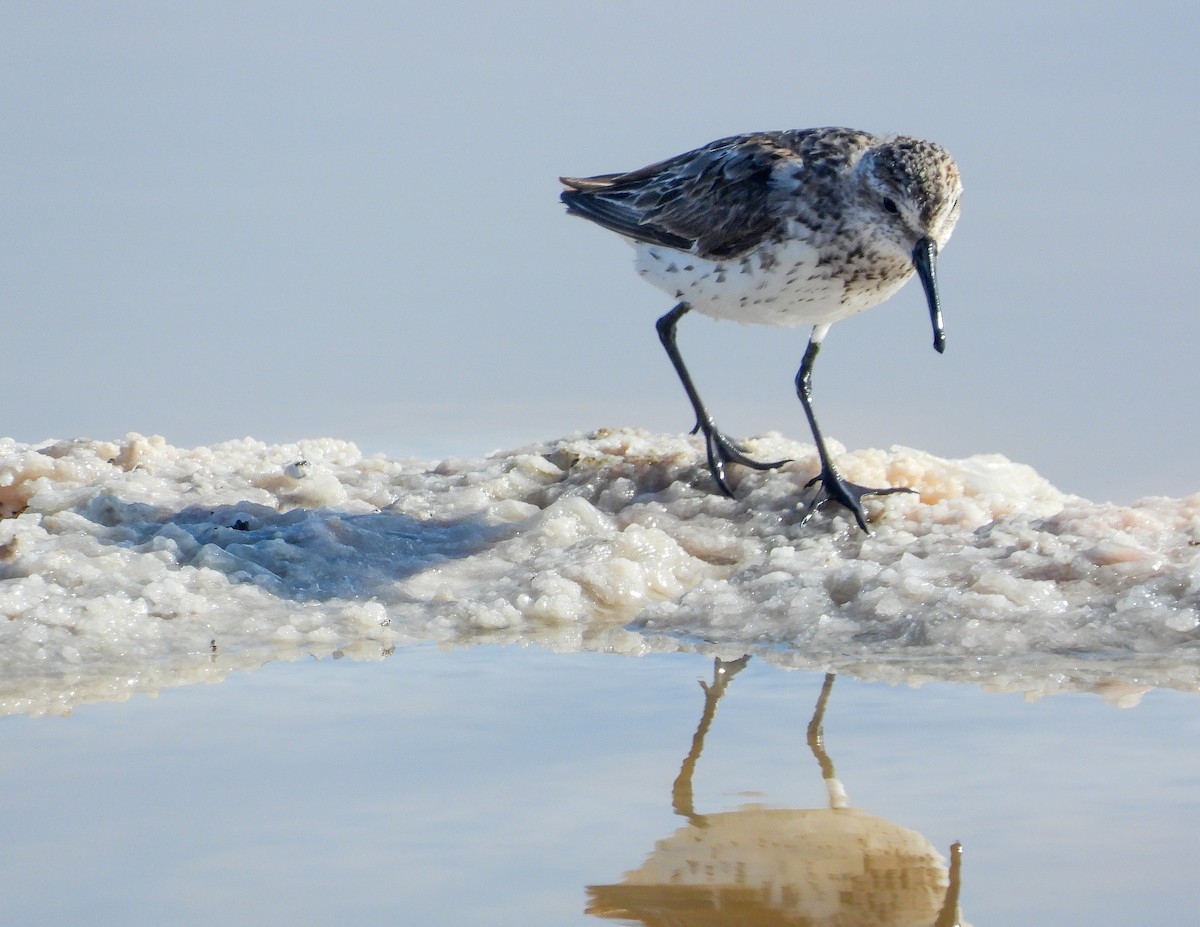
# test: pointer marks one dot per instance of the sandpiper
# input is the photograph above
(803, 227)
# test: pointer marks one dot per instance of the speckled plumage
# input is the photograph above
(802, 227)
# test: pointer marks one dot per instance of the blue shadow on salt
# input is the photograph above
(302, 554)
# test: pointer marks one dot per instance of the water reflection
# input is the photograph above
(781, 866)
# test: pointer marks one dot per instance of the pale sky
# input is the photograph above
(291, 220)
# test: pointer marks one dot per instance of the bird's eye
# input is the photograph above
(889, 205)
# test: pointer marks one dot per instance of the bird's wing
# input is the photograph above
(715, 201)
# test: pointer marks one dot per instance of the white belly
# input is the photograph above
(786, 287)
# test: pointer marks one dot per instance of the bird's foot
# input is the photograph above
(722, 450)
(835, 488)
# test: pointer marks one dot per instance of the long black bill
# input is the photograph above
(924, 258)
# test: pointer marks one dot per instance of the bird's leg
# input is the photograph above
(719, 449)
(834, 487)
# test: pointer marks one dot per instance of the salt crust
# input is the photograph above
(133, 565)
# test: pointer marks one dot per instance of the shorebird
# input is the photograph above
(803, 227)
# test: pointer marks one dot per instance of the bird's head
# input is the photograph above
(911, 189)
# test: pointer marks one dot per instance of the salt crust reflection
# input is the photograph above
(131, 566)
(816, 867)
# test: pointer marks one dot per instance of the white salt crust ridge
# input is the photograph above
(131, 566)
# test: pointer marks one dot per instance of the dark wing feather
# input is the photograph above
(614, 215)
(714, 201)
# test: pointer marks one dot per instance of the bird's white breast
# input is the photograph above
(784, 284)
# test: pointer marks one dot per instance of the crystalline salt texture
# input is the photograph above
(160, 554)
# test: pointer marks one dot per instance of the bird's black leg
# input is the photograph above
(720, 449)
(834, 487)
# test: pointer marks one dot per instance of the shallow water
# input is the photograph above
(517, 786)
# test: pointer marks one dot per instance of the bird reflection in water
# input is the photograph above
(771, 867)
